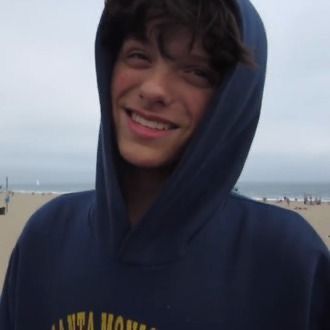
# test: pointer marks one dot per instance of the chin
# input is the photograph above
(147, 160)
(144, 162)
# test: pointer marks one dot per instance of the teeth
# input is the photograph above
(150, 123)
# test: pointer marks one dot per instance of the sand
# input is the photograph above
(22, 206)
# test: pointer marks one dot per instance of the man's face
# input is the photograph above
(158, 102)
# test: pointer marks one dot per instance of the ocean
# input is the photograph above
(255, 190)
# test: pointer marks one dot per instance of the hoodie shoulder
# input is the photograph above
(63, 213)
(274, 227)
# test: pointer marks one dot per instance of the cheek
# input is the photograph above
(120, 82)
(199, 105)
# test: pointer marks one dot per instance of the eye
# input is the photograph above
(134, 53)
(201, 73)
(136, 58)
(138, 55)
(203, 77)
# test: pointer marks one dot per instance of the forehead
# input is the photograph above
(172, 40)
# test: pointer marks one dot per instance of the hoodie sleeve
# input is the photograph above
(7, 298)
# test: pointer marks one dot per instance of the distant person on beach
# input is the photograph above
(287, 200)
(7, 200)
(305, 199)
(162, 242)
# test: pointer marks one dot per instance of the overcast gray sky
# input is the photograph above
(49, 109)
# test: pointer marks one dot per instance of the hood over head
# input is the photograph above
(211, 164)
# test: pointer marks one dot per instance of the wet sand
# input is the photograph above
(22, 206)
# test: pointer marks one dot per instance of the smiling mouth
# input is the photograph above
(150, 123)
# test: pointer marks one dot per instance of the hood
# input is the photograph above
(201, 183)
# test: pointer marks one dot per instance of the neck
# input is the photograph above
(141, 187)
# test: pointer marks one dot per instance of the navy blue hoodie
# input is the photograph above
(201, 257)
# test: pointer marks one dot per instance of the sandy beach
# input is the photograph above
(22, 206)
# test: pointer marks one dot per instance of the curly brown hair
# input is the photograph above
(216, 22)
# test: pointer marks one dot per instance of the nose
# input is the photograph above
(155, 89)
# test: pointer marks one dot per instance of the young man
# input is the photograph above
(162, 243)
